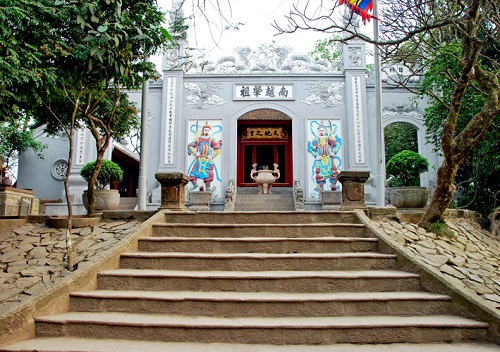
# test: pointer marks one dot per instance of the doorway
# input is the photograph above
(264, 142)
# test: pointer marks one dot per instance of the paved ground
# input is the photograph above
(32, 256)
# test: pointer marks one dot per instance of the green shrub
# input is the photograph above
(109, 172)
(405, 168)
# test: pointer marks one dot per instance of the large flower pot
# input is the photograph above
(409, 197)
(105, 199)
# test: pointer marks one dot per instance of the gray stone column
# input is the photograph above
(172, 190)
(353, 189)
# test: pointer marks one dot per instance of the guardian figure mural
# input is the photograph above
(324, 147)
(204, 148)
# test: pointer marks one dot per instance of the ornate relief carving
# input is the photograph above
(355, 58)
(59, 169)
(266, 58)
(327, 95)
(401, 110)
(201, 96)
(355, 192)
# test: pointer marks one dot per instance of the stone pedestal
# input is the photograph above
(353, 189)
(172, 190)
(331, 200)
(16, 201)
(200, 200)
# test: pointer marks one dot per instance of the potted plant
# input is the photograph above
(106, 199)
(404, 170)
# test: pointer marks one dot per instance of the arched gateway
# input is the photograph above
(264, 138)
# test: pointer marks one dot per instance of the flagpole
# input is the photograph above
(380, 176)
(143, 185)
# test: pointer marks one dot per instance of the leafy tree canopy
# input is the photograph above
(477, 177)
(415, 34)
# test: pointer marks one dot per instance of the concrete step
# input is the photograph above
(271, 202)
(259, 281)
(127, 203)
(270, 304)
(254, 191)
(258, 261)
(74, 344)
(257, 201)
(258, 244)
(269, 207)
(275, 330)
(262, 217)
(265, 198)
(264, 230)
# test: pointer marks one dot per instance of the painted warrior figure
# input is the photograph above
(322, 149)
(205, 149)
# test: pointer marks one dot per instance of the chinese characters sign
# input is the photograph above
(264, 132)
(80, 146)
(358, 120)
(169, 133)
(263, 92)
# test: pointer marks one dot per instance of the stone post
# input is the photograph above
(331, 200)
(200, 200)
(353, 189)
(172, 190)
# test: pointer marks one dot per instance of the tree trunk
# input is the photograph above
(69, 242)
(101, 149)
(456, 149)
(442, 194)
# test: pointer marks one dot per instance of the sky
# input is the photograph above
(258, 16)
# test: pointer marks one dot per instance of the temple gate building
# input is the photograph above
(261, 106)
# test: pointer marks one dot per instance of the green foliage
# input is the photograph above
(441, 229)
(47, 45)
(109, 172)
(25, 26)
(399, 136)
(405, 168)
(328, 50)
(15, 139)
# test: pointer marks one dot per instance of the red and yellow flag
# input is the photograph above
(361, 7)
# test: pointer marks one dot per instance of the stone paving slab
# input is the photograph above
(469, 256)
(32, 256)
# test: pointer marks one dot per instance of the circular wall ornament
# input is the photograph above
(59, 169)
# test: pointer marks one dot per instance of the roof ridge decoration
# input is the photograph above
(267, 58)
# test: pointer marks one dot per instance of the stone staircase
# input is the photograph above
(128, 203)
(258, 278)
(249, 199)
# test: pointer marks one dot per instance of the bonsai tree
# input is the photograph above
(108, 173)
(405, 167)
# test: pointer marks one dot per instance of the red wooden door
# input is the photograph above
(253, 147)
